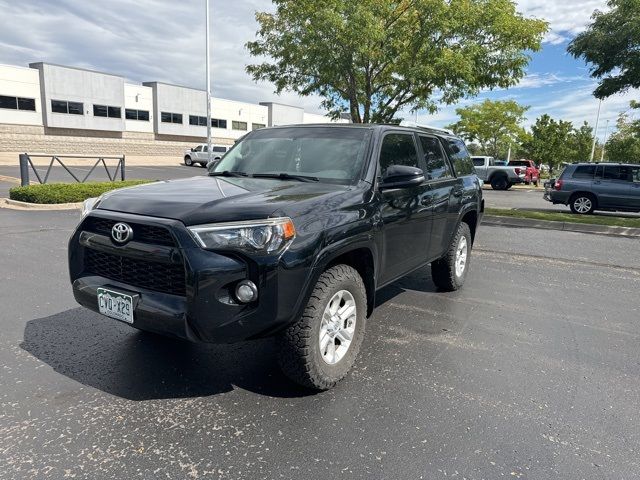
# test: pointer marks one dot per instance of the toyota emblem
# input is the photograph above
(121, 232)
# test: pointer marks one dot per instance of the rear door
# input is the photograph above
(405, 212)
(443, 188)
(613, 186)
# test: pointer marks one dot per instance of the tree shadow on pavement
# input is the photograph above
(119, 360)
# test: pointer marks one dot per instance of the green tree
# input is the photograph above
(550, 141)
(580, 143)
(624, 144)
(494, 125)
(375, 58)
(612, 45)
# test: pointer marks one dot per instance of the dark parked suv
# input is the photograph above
(290, 234)
(586, 187)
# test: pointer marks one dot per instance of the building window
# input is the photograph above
(218, 123)
(235, 125)
(257, 126)
(132, 114)
(198, 121)
(106, 111)
(168, 117)
(17, 103)
(62, 106)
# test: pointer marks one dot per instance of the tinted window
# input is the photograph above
(8, 102)
(26, 104)
(398, 149)
(584, 171)
(58, 106)
(218, 123)
(115, 112)
(460, 157)
(193, 120)
(635, 174)
(437, 165)
(143, 115)
(518, 163)
(256, 126)
(76, 108)
(131, 114)
(478, 162)
(219, 149)
(99, 110)
(615, 172)
(239, 125)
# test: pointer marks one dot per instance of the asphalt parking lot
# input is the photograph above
(531, 371)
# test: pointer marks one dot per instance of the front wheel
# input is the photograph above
(450, 271)
(188, 161)
(318, 350)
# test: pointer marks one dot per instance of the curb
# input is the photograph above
(562, 226)
(17, 205)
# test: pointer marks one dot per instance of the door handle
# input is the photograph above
(456, 192)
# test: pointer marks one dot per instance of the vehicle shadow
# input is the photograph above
(116, 359)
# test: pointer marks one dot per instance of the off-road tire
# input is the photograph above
(443, 270)
(499, 182)
(299, 349)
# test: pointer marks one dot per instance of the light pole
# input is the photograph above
(208, 85)
(606, 130)
(595, 132)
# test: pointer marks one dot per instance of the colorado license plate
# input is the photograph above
(115, 305)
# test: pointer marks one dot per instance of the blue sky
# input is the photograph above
(163, 40)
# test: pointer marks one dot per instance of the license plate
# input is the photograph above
(115, 305)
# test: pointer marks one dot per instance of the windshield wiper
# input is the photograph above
(228, 173)
(287, 176)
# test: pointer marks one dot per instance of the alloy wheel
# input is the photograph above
(461, 256)
(337, 327)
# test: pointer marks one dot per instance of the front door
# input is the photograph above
(405, 212)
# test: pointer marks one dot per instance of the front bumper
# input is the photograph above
(203, 309)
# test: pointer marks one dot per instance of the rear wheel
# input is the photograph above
(583, 204)
(499, 182)
(450, 271)
(318, 350)
(188, 161)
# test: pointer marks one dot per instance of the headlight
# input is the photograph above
(270, 236)
(89, 204)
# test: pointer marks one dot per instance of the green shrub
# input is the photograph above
(67, 192)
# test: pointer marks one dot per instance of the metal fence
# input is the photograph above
(25, 163)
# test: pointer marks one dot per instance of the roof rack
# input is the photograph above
(408, 123)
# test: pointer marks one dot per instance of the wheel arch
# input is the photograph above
(470, 217)
(362, 260)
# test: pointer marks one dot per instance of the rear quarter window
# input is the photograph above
(460, 157)
(584, 171)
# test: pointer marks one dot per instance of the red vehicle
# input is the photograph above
(532, 173)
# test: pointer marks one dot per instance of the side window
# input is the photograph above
(398, 149)
(635, 174)
(460, 157)
(614, 172)
(437, 165)
(584, 171)
(199, 148)
(478, 162)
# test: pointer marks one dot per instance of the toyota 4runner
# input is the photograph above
(290, 234)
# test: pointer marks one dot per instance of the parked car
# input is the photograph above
(531, 171)
(500, 177)
(291, 234)
(199, 155)
(587, 187)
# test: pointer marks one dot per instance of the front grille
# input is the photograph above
(141, 232)
(156, 276)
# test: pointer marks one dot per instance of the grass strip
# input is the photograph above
(596, 219)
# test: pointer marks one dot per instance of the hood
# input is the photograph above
(206, 199)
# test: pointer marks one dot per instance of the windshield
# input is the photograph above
(329, 154)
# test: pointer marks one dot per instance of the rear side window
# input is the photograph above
(635, 174)
(478, 162)
(398, 149)
(437, 165)
(584, 171)
(614, 172)
(518, 163)
(460, 157)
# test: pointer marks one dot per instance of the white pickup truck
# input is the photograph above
(500, 177)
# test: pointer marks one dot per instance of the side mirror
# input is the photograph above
(402, 176)
(193, 149)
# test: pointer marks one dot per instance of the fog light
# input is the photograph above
(246, 291)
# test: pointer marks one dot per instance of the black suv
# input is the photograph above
(586, 187)
(290, 234)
